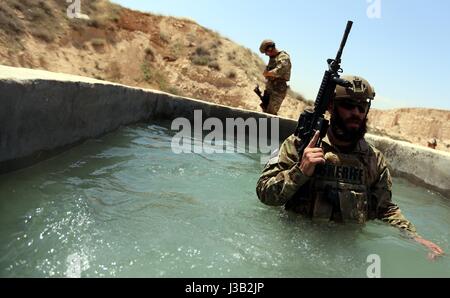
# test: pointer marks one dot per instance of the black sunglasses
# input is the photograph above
(362, 108)
(269, 48)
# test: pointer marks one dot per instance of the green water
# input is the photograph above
(126, 206)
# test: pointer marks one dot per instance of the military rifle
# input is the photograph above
(312, 121)
(264, 97)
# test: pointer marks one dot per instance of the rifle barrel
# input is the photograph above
(344, 41)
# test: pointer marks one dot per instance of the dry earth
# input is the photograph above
(175, 55)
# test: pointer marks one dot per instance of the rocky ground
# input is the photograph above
(169, 54)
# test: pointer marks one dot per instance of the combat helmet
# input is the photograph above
(266, 44)
(359, 90)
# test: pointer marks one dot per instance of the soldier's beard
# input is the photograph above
(344, 133)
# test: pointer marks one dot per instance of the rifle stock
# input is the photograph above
(263, 97)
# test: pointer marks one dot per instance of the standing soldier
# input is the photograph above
(344, 180)
(277, 74)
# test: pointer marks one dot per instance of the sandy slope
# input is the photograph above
(170, 54)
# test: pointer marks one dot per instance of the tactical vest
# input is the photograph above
(339, 190)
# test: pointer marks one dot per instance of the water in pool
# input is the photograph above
(126, 206)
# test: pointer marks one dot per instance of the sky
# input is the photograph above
(402, 47)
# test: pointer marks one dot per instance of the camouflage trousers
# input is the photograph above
(277, 91)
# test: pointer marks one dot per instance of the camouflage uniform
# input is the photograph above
(350, 187)
(277, 87)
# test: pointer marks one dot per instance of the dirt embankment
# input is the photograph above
(133, 48)
(414, 125)
(170, 54)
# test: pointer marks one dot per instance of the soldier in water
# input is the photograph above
(346, 179)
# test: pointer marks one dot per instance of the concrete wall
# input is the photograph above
(43, 113)
(421, 165)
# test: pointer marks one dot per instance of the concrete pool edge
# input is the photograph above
(420, 165)
(83, 108)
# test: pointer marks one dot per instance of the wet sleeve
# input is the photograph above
(281, 177)
(386, 210)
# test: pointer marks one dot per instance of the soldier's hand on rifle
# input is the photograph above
(311, 157)
(268, 74)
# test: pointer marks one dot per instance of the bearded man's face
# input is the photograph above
(349, 121)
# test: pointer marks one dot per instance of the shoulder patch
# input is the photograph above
(274, 157)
